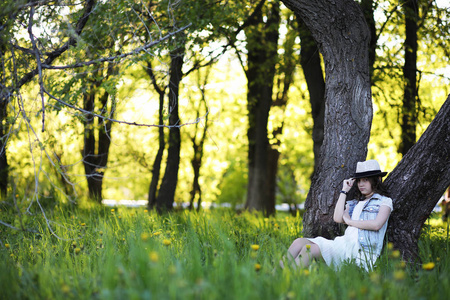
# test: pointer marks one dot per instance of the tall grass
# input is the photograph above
(121, 253)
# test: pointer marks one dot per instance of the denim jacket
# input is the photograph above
(370, 241)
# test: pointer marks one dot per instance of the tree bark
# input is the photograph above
(166, 194)
(197, 146)
(367, 7)
(409, 108)
(342, 35)
(96, 151)
(3, 142)
(262, 39)
(417, 183)
(420, 178)
(162, 142)
(312, 70)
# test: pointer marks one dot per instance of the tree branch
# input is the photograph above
(89, 113)
(39, 65)
(112, 58)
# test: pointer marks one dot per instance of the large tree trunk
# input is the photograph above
(166, 194)
(342, 35)
(422, 176)
(262, 39)
(418, 181)
(409, 108)
(312, 70)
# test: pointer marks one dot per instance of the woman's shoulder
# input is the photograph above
(385, 200)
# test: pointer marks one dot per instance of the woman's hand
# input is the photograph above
(348, 183)
(346, 219)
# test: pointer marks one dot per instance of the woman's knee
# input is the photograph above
(300, 242)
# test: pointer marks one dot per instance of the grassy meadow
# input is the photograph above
(124, 253)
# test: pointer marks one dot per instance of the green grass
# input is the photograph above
(133, 254)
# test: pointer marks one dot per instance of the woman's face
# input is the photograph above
(364, 186)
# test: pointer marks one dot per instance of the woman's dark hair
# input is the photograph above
(378, 187)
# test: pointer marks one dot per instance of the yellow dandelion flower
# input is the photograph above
(101, 232)
(146, 210)
(120, 217)
(167, 242)
(257, 267)
(83, 224)
(7, 246)
(157, 233)
(402, 264)
(113, 210)
(154, 257)
(65, 288)
(290, 295)
(428, 266)
(390, 246)
(255, 247)
(399, 275)
(308, 247)
(306, 272)
(375, 277)
(396, 254)
(77, 250)
(144, 236)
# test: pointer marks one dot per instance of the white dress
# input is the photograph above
(346, 248)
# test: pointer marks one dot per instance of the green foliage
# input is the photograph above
(107, 253)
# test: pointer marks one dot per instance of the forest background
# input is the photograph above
(97, 116)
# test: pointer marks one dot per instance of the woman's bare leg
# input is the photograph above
(310, 252)
(301, 253)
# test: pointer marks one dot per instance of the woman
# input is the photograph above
(366, 217)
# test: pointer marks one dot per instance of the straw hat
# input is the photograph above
(368, 168)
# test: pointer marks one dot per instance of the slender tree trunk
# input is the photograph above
(162, 142)
(286, 68)
(3, 139)
(367, 7)
(342, 35)
(312, 70)
(166, 194)
(262, 39)
(409, 108)
(196, 161)
(417, 183)
(93, 177)
(96, 151)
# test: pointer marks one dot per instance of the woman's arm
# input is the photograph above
(340, 204)
(375, 224)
